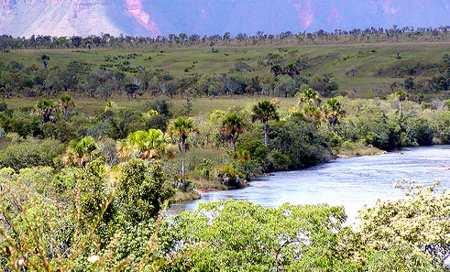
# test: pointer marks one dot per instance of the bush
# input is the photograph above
(421, 132)
(61, 130)
(373, 127)
(278, 161)
(204, 169)
(299, 142)
(325, 85)
(3, 106)
(161, 105)
(158, 121)
(141, 192)
(31, 153)
(21, 122)
(228, 175)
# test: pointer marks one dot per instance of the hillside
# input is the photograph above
(360, 70)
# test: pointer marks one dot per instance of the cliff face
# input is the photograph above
(154, 17)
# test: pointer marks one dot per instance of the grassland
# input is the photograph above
(374, 62)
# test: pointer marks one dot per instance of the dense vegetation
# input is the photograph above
(223, 148)
(84, 182)
(84, 219)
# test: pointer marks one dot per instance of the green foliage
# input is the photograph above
(180, 129)
(401, 259)
(29, 153)
(326, 85)
(145, 144)
(67, 221)
(160, 105)
(90, 193)
(298, 141)
(91, 229)
(141, 193)
(240, 236)
(20, 122)
(419, 222)
(264, 112)
(233, 125)
(420, 132)
(79, 152)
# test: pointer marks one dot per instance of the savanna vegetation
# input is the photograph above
(355, 70)
(96, 142)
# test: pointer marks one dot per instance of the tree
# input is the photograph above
(400, 96)
(80, 152)
(146, 145)
(265, 111)
(333, 111)
(46, 109)
(233, 125)
(141, 193)
(309, 96)
(66, 103)
(181, 128)
(310, 105)
(45, 59)
(242, 236)
(419, 221)
(132, 90)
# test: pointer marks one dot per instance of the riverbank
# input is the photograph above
(348, 150)
(350, 182)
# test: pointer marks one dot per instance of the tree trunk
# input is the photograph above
(183, 152)
(266, 134)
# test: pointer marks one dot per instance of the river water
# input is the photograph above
(351, 183)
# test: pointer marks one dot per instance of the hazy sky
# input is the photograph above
(218, 16)
(154, 17)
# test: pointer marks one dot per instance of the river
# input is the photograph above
(351, 183)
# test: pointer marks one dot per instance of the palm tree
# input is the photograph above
(401, 96)
(46, 109)
(310, 101)
(181, 128)
(310, 97)
(66, 102)
(232, 126)
(79, 152)
(264, 112)
(333, 111)
(147, 144)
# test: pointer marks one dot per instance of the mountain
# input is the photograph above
(162, 17)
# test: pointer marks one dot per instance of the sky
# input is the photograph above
(162, 17)
(273, 16)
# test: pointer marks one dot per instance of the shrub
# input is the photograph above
(422, 132)
(31, 153)
(300, 142)
(278, 161)
(204, 169)
(23, 123)
(3, 106)
(228, 175)
(141, 192)
(161, 105)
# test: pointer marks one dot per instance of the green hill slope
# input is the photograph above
(361, 70)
